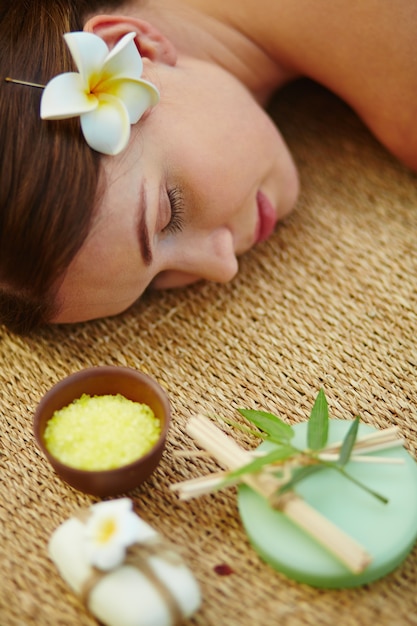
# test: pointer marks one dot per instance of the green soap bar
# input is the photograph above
(386, 531)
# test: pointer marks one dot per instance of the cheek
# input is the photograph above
(231, 144)
(172, 279)
(217, 117)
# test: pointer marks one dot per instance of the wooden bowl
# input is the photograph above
(106, 380)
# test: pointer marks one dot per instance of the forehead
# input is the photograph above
(109, 272)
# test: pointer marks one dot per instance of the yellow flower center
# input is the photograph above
(107, 530)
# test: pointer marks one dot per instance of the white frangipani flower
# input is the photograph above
(112, 527)
(108, 93)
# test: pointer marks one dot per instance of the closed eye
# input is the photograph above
(176, 202)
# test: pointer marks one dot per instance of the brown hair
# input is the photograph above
(48, 174)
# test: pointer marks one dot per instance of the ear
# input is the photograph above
(150, 42)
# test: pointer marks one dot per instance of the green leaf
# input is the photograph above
(277, 430)
(305, 472)
(274, 429)
(277, 454)
(241, 427)
(299, 475)
(362, 485)
(318, 424)
(349, 442)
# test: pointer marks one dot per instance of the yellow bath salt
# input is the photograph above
(101, 432)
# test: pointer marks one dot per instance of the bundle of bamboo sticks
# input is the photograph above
(229, 454)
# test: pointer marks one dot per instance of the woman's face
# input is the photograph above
(205, 177)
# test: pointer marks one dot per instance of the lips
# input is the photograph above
(267, 217)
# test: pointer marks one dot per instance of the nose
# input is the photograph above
(200, 255)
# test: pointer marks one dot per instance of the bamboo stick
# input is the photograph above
(371, 441)
(356, 458)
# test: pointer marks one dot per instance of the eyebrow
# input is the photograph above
(143, 232)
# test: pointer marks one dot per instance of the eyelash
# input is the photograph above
(176, 201)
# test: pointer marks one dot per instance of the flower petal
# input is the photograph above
(88, 51)
(124, 60)
(65, 96)
(130, 529)
(118, 506)
(107, 128)
(137, 95)
(105, 557)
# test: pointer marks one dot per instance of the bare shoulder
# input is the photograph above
(363, 50)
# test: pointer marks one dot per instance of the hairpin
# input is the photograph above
(23, 82)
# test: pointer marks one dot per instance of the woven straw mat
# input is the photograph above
(328, 301)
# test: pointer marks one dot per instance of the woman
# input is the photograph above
(205, 174)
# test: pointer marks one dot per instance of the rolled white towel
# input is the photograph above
(122, 568)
